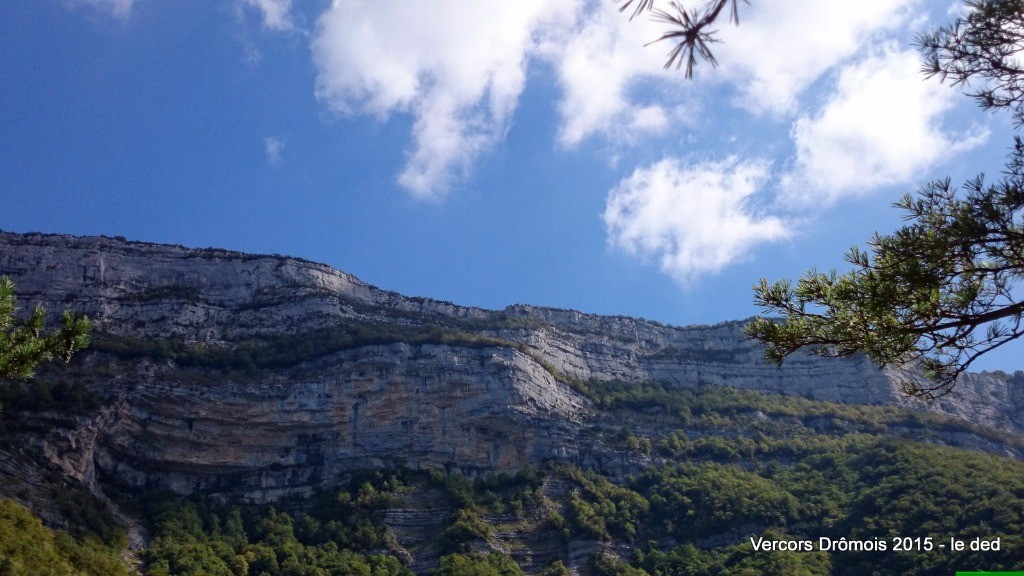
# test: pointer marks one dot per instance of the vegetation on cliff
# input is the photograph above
(679, 481)
(717, 477)
(27, 548)
(680, 517)
(289, 350)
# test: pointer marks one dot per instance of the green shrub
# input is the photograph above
(476, 564)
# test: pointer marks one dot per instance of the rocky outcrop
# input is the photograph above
(267, 434)
(473, 389)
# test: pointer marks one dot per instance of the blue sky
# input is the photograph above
(484, 153)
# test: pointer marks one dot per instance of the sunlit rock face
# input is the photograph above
(379, 406)
(415, 382)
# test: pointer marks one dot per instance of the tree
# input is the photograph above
(25, 345)
(945, 288)
(691, 29)
(942, 290)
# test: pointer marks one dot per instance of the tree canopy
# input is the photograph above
(24, 345)
(945, 288)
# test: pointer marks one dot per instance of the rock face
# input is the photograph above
(269, 434)
(468, 388)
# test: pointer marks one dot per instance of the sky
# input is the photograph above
(486, 153)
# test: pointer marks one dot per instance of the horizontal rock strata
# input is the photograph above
(352, 376)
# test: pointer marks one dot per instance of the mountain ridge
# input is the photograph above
(267, 375)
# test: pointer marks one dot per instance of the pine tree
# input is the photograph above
(24, 345)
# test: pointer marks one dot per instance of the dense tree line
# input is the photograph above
(27, 548)
(722, 465)
(681, 518)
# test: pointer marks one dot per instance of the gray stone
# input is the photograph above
(481, 407)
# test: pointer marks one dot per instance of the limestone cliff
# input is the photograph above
(265, 375)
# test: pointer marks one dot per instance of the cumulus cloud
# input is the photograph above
(275, 13)
(459, 71)
(695, 218)
(881, 126)
(782, 47)
(597, 66)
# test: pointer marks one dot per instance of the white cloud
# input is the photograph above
(695, 219)
(457, 68)
(273, 147)
(880, 127)
(597, 66)
(275, 13)
(119, 8)
(782, 47)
